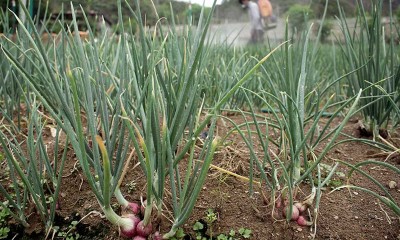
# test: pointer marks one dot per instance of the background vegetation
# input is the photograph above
(229, 10)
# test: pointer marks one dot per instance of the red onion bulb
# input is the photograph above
(301, 221)
(142, 230)
(295, 212)
(129, 230)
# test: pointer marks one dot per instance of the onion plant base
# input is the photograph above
(364, 132)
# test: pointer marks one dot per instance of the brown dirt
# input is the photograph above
(343, 214)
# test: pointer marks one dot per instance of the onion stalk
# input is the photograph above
(126, 224)
(131, 206)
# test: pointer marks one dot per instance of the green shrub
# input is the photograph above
(298, 16)
(326, 30)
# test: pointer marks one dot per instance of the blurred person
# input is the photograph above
(257, 28)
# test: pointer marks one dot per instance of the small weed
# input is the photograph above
(4, 232)
(198, 226)
(179, 235)
(131, 186)
(334, 183)
(204, 229)
(4, 229)
(210, 218)
(4, 214)
(243, 233)
(69, 233)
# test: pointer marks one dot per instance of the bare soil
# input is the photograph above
(343, 214)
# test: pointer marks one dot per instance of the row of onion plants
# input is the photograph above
(11, 89)
(33, 172)
(54, 79)
(370, 46)
(141, 95)
(297, 95)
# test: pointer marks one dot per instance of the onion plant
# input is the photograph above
(368, 48)
(65, 84)
(164, 103)
(34, 172)
(13, 91)
(165, 121)
(146, 85)
(11, 88)
(303, 140)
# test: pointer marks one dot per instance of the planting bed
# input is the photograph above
(344, 214)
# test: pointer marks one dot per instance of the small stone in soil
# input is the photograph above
(392, 184)
(87, 206)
